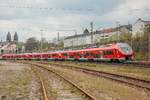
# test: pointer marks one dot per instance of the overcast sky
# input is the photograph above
(28, 17)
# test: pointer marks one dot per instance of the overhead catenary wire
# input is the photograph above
(13, 6)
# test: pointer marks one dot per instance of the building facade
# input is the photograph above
(139, 27)
(95, 37)
(9, 46)
(6, 47)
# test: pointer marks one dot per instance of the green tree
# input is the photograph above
(45, 44)
(32, 44)
(140, 44)
(125, 37)
(61, 44)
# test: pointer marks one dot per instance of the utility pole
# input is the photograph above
(58, 36)
(104, 42)
(75, 32)
(91, 24)
(130, 32)
(41, 40)
(68, 31)
(148, 43)
(118, 26)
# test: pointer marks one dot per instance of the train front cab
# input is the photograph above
(125, 51)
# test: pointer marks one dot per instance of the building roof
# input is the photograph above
(79, 35)
(146, 22)
(108, 30)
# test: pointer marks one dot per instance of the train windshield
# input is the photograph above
(125, 48)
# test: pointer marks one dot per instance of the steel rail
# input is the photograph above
(67, 80)
(131, 64)
(42, 84)
(145, 84)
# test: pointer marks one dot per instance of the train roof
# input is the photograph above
(102, 47)
(109, 46)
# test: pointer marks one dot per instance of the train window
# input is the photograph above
(106, 35)
(77, 54)
(88, 53)
(125, 47)
(65, 54)
(97, 55)
(71, 56)
(108, 52)
(53, 54)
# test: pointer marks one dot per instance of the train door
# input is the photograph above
(108, 54)
(97, 55)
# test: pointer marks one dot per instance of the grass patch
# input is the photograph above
(15, 83)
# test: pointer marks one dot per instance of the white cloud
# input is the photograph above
(28, 22)
(129, 10)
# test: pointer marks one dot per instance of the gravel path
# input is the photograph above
(17, 82)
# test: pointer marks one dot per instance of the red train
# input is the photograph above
(111, 52)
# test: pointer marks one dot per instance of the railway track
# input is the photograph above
(86, 94)
(118, 64)
(139, 83)
(44, 91)
(132, 63)
(128, 63)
